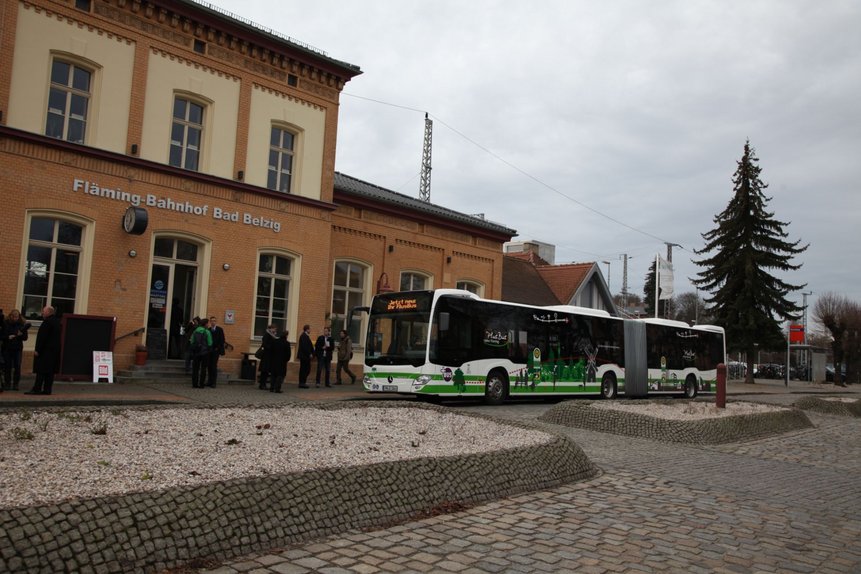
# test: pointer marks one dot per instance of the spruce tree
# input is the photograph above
(747, 244)
(649, 295)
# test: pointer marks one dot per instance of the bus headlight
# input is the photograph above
(422, 380)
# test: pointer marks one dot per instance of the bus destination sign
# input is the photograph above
(402, 304)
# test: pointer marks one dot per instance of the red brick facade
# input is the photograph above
(231, 219)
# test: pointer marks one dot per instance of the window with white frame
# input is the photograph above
(186, 133)
(348, 292)
(411, 281)
(471, 286)
(68, 101)
(53, 261)
(273, 292)
(281, 148)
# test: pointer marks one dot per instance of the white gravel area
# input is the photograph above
(686, 411)
(47, 457)
(840, 399)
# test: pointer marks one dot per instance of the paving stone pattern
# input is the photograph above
(706, 431)
(785, 503)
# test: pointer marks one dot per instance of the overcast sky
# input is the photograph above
(606, 127)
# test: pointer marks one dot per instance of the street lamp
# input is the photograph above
(608, 277)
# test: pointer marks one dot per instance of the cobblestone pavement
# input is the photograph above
(788, 503)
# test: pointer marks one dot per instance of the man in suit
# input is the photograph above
(304, 352)
(46, 354)
(323, 350)
(218, 345)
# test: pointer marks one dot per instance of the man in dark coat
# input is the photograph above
(323, 350)
(279, 357)
(218, 345)
(46, 355)
(304, 352)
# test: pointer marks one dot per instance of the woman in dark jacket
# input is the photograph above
(279, 357)
(14, 333)
(266, 344)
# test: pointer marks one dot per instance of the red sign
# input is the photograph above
(796, 333)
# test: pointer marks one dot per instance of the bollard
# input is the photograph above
(720, 398)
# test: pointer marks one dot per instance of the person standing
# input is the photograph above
(14, 331)
(188, 330)
(345, 353)
(218, 345)
(304, 353)
(279, 356)
(323, 349)
(46, 354)
(266, 344)
(200, 347)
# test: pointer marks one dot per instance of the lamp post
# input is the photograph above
(608, 277)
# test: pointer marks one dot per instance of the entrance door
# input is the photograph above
(171, 298)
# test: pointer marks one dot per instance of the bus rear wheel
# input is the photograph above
(496, 388)
(608, 386)
(691, 387)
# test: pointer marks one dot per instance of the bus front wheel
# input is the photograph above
(691, 387)
(608, 386)
(496, 388)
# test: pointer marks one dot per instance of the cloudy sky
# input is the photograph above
(606, 128)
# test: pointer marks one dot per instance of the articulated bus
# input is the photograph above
(450, 343)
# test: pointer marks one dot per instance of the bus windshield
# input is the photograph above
(398, 329)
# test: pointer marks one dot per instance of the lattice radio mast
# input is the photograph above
(425, 180)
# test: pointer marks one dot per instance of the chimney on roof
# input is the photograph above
(545, 251)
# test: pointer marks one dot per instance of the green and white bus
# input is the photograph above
(452, 343)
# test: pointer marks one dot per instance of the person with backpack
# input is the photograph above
(200, 345)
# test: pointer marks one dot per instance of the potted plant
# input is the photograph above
(141, 354)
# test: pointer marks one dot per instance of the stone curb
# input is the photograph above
(848, 409)
(150, 531)
(705, 431)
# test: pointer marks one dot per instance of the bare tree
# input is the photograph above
(834, 312)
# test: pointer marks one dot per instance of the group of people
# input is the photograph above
(206, 344)
(275, 352)
(13, 333)
(46, 352)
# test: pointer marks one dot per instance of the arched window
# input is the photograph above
(54, 251)
(273, 291)
(282, 143)
(186, 133)
(68, 101)
(412, 281)
(348, 291)
(471, 286)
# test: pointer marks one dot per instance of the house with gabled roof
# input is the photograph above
(529, 278)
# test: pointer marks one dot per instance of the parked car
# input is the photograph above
(830, 371)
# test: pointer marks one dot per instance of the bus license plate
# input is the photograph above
(392, 388)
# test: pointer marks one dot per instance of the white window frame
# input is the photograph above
(363, 290)
(283, 152)
(84, 250)
(71, 93)
(187, 124)
(292, 278)
(413, 274)
(477, 287)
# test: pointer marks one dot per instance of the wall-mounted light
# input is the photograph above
(240, 175)
(391, 248)
(226, 266)
(133, 253)
(134, 149)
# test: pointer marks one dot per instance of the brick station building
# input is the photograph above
(163, 160)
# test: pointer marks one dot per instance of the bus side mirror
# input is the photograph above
(443, 321)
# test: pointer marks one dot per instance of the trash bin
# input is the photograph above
(248, 370)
